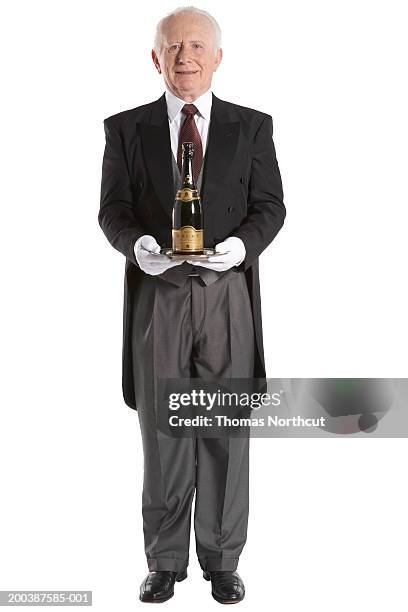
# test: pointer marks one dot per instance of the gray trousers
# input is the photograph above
(203, 331)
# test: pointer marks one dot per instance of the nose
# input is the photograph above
(182, 55)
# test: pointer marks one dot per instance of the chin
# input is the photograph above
(186, 89)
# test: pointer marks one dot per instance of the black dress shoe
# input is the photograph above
(227, 587)
(159, 586)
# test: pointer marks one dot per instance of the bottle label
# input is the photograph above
(187, 195)
(187, 238)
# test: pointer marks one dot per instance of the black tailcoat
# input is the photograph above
(241, 194)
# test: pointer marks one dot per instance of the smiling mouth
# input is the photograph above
(186, 71)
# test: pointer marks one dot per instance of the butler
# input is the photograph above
(186, 320)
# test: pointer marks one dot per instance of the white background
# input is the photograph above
(327, 517)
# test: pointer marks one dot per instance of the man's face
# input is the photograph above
(187, 59)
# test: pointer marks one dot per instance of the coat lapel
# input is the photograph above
(222, 143)
(156, 145)
(223, 138)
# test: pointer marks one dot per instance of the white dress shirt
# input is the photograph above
(176, 117)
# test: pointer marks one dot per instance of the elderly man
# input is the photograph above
(184, 318)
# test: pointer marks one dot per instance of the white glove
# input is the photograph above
(233, 250)
(144, 248)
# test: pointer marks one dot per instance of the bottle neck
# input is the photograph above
(187, 173)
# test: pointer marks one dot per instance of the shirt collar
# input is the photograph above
(175, 104)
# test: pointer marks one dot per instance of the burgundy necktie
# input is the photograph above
(189, 133)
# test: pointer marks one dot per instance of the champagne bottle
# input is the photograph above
(187, 232)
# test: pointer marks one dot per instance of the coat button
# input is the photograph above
(241, 180)
(141, 183)
(231, 209)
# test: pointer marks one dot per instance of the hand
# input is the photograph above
(149, 263)
(233, 250)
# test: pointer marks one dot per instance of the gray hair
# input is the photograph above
(158, 39)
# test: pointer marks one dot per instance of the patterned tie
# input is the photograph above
(189, 133)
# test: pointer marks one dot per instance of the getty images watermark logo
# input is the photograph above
(209, 400)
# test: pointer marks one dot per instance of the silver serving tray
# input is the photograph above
(193, 257)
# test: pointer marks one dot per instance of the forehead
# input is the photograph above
(187, 26)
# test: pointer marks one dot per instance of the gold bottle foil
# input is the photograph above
(187, 195)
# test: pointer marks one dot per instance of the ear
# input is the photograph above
(218, 58)
(156, 60)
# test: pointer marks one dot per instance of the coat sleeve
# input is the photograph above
(266, 210)
(116, 214)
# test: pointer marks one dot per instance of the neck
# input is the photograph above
(190, 98)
